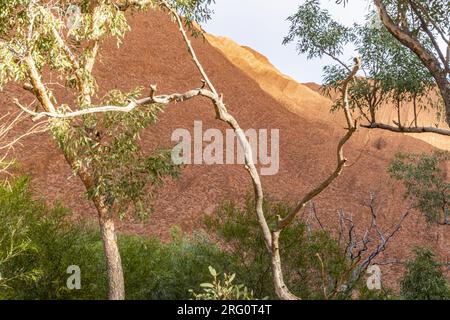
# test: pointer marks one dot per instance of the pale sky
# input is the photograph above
(262, 25)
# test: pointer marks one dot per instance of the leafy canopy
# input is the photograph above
(389, 70)
(426, 180)
(424, 279)
(108, 147)
(63, 38)
(63, 35)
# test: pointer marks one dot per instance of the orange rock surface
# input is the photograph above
(306, 100)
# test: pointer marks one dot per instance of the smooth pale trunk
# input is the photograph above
(116, 283)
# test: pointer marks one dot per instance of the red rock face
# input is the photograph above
(153, 52)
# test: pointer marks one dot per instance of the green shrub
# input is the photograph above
(54, 244)
(426, 183)
(311, 259)
(153, 270)
(13, 240)
(424, 279)
(222, 288)
(383, 294)
(167, 271)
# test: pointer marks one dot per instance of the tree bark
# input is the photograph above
(415, 110)
(281, 289)
(116, 283)
(373, 114)
(398, 113)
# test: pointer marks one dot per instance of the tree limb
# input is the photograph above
(341, 160)
(444, 132)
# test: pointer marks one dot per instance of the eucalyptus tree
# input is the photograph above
(389, 70)
(399, 72)
(64, 38)
(422, 27)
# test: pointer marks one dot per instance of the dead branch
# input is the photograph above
(357, 248)
(313, 215)
(162, 99)
(8, 123)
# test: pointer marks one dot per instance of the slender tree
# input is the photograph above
(64, 37)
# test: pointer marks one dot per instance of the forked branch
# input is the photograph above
(341, 160)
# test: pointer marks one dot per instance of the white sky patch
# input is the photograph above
(262, 25)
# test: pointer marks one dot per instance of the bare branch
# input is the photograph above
(341, 160)
(7, 124)
(361, 246)
(162, 99)
(402, 129)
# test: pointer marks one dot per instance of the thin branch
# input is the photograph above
(429, 33)
(189, 46)
(440, 131)
(341, 160)
(162, 99)
(8, 123)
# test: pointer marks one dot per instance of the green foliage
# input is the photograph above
(167, 271)
(37, 28)
(112, 155)
(310, 258)
(382, 294)
(316, 32)
(193, 10)
(52, 245)
(106, 148)
(424, 279)
(424, 20)
(34, 28)
(46, 243)
(13, 233)
(390, 70)
(399, 72)
(426, 182)
(223, 289)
